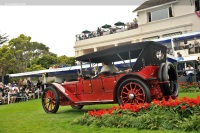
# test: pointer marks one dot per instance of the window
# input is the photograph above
(172, 34)
(150, 38)
(160, 14)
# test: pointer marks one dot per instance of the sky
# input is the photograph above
(57, 26)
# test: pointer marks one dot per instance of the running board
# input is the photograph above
(104, 101)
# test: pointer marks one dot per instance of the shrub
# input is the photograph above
(179, 114)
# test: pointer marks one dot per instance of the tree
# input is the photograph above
(3, 38)
(21, 55)
(71, 61)
(25, 50)
(39, 49)
(7, 63)
(46, 60)
(66, 61)
(35, 67)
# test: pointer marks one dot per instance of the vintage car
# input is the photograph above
(151, 77)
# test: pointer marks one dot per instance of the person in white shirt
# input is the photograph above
(189, 72)
(15, 87)
(109, 67)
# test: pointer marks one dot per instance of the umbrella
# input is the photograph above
(119, 24)
(86, 31)
(106, 26)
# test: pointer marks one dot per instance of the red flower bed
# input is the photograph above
(187, 87)
(183, 103)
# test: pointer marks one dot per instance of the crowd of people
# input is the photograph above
(23, 90)
(106, 31)
(189, 71)
(193, 47)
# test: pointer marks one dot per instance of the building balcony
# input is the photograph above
(104, 32)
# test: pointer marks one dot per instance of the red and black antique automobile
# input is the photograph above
(151, 77)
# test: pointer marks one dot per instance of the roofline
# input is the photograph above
(134, 11)
(187, 34)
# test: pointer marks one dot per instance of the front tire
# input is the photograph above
(133, 91)
(50, 100)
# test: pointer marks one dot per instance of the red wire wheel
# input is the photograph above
(50, 100)
(133, 91)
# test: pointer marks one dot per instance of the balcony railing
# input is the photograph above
(108, 31)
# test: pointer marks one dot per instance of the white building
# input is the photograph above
(156, 19)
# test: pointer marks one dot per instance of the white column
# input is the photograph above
(81, 52)
(76, 53)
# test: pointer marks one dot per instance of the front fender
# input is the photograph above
(65, 92)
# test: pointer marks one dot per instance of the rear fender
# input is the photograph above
(65, 92)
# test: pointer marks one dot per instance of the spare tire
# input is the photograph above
(169, 78)
(160, 77)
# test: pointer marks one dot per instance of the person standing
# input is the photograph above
(198, 60)
(20, 85)
(189, 72)
(191, 49)
(24, 83)
(135, 22)
(98, 31)
(179, 65)
(39, 89)
(198, 76)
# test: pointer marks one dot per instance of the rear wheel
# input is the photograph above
(133, 91)
(77, 106)
(50, 100)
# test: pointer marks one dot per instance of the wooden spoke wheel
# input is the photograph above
(50, 100)
(133, 91)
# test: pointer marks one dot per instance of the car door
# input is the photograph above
(87, 87)
(108, 83)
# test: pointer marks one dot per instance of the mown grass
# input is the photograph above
(29, 117)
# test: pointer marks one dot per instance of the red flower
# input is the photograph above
(146, 106)
(183, 107)
(170, 103)
(155, 102)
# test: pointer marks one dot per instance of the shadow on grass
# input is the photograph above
(86, 108)
(73, 111)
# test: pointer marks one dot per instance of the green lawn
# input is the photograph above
(29, 117)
